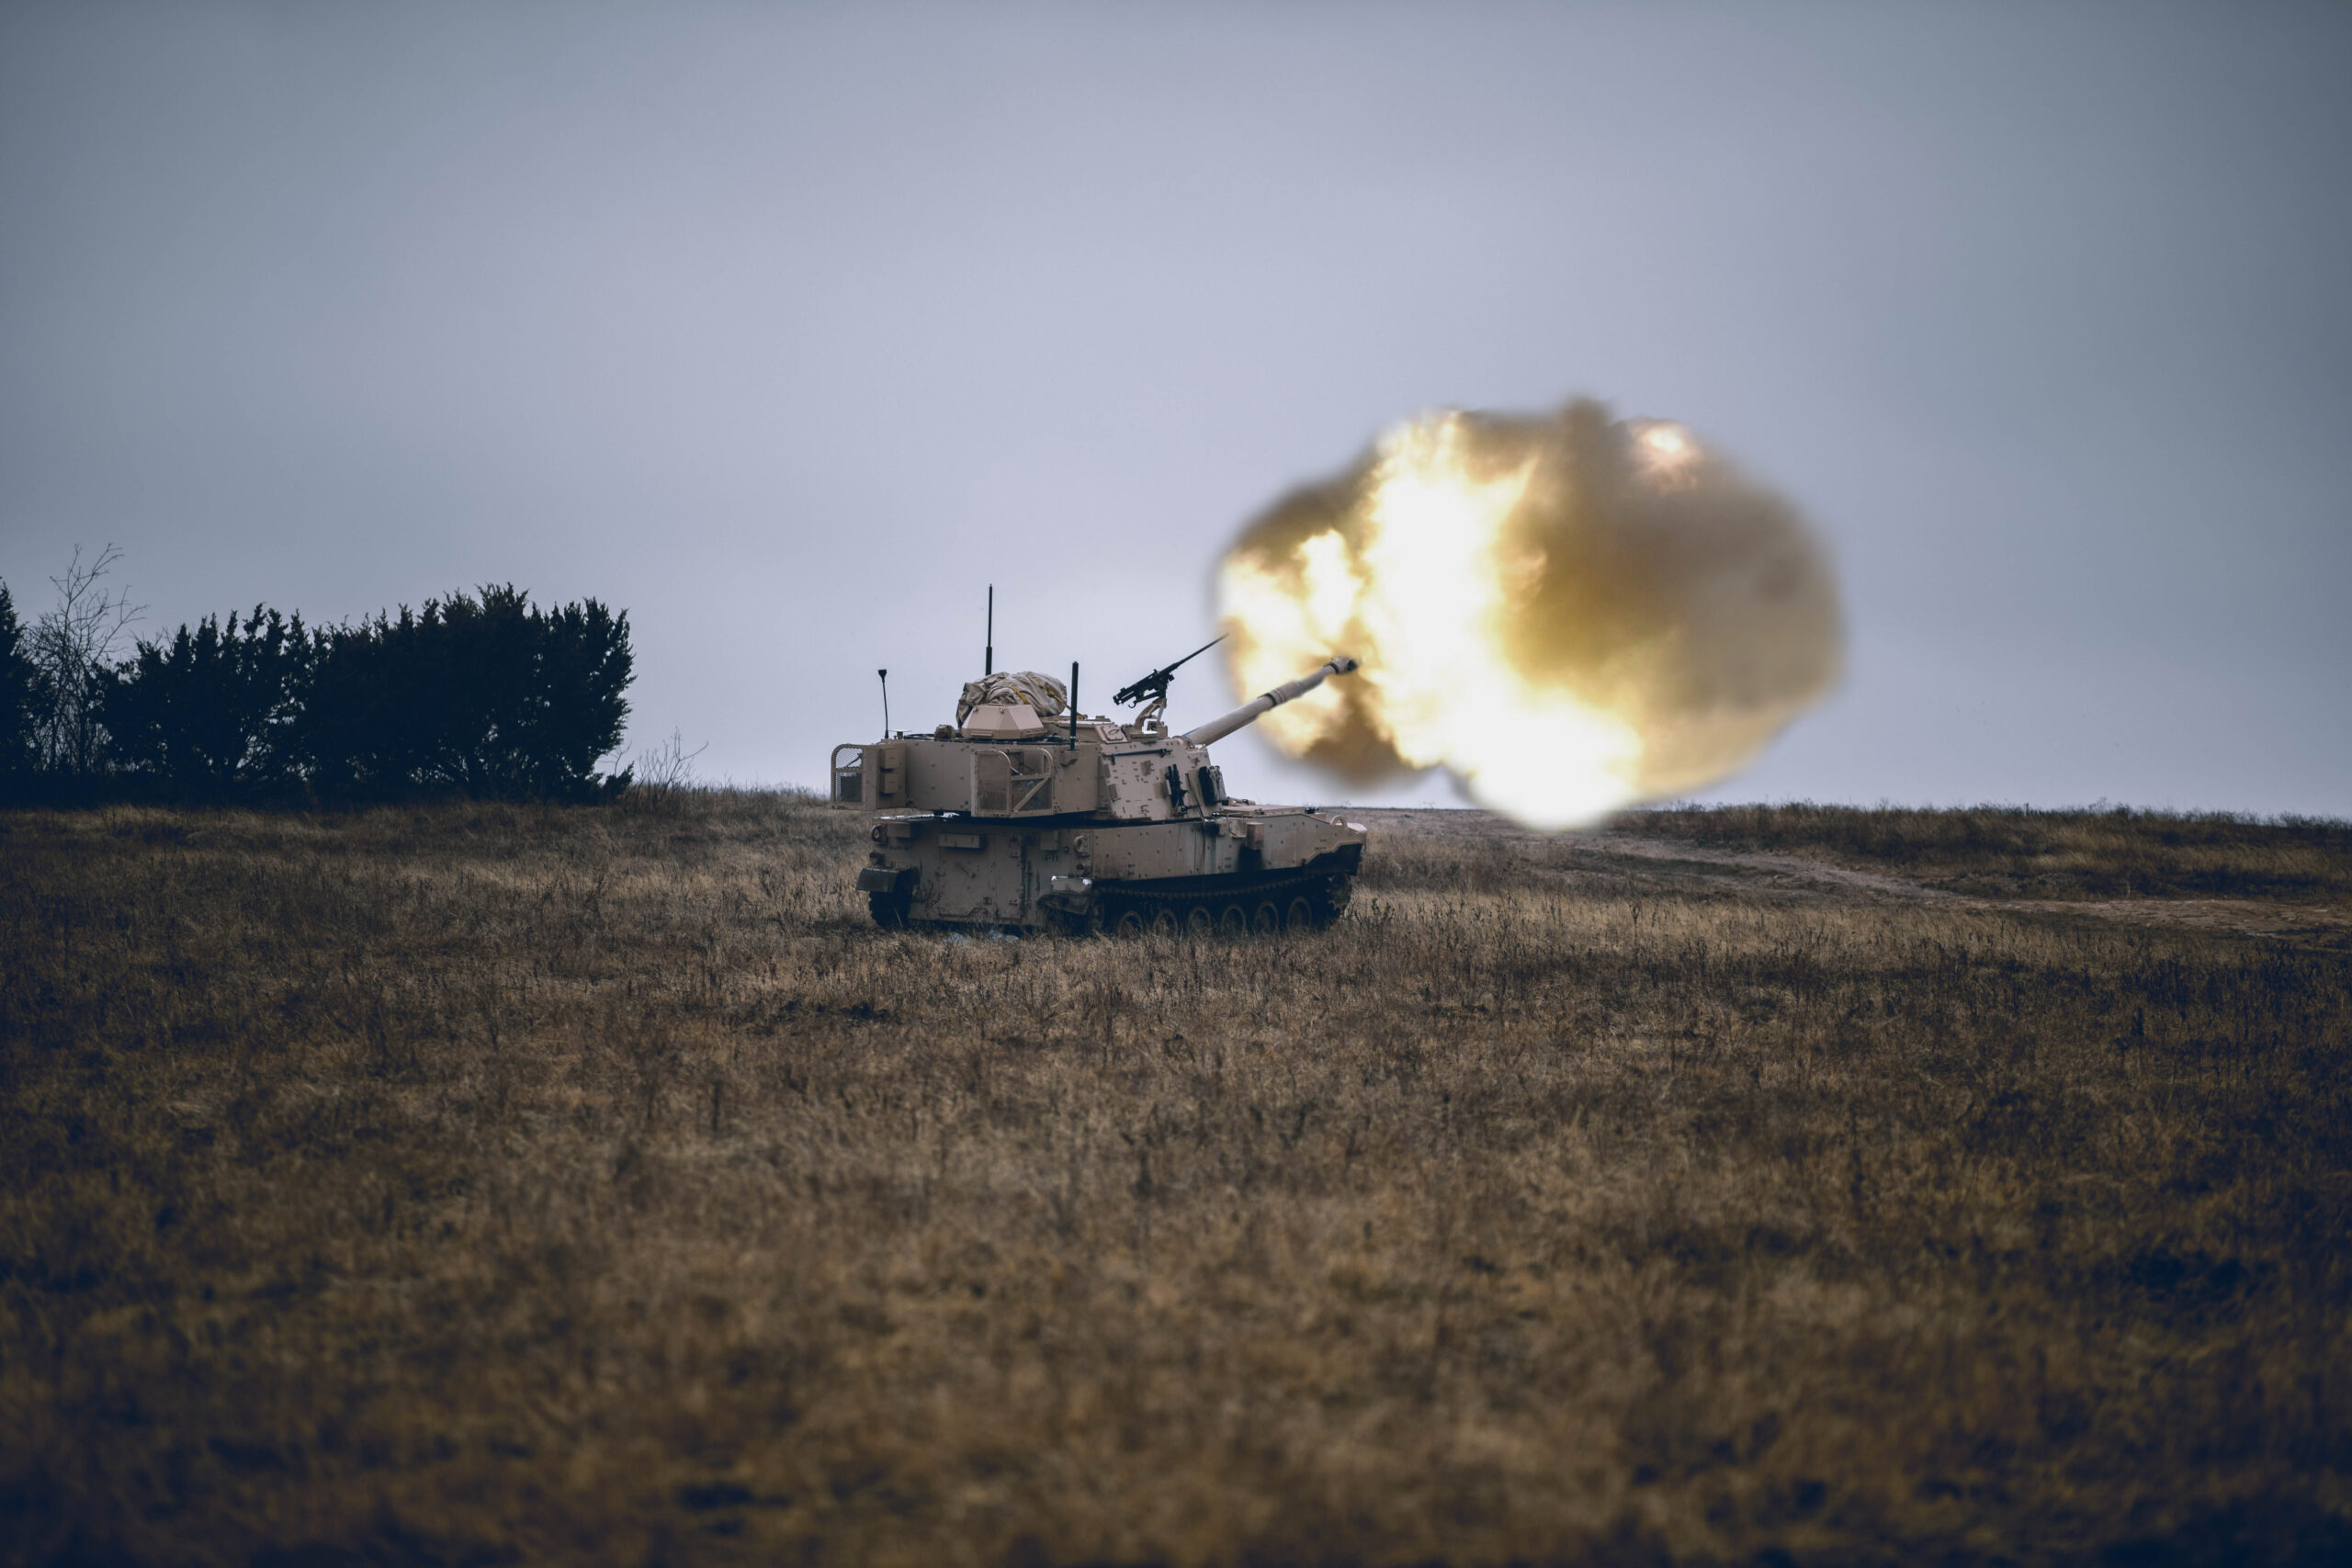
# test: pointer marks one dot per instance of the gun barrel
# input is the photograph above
(1218, 729)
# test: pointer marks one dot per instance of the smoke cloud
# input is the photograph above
(1570, 613)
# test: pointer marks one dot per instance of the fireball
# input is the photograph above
(1570, 614)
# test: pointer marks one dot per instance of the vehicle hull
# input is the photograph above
(1086, 874)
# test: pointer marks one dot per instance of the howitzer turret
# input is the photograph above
(1026, 813)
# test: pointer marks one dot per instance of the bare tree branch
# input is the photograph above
(73, 649)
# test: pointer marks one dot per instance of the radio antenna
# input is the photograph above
(1073, 701)
(886, 702)
(987, 659)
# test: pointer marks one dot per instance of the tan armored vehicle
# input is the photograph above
(1026, 815)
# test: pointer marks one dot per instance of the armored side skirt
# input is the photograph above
(955, 871)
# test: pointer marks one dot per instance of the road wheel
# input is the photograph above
(1300, 917)
(1164, 922)
(1233, 923)
(1129, 925)
(1266, 919)
(1199, 922)
(890, 910)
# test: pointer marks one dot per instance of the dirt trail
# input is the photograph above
(1618, 850)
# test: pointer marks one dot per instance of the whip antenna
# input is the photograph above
(886, 702)
(988, 658)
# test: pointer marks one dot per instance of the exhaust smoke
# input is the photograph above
(1570, 612)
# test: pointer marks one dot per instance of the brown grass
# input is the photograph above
(2005, 851)
(474, 1184)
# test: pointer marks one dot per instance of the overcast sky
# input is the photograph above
(790, 329)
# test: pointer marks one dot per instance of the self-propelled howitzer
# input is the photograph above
(1027, 815)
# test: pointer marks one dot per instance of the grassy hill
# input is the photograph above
(470, 1184)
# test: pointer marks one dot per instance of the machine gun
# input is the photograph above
(1154, 686)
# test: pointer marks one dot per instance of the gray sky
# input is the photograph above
(788, 329)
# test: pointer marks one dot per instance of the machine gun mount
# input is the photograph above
(1153, 687)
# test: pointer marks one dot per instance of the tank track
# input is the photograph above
(1324, 895)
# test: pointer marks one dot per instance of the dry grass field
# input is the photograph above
(481, 1184)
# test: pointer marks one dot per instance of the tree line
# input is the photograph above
(481, 695)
